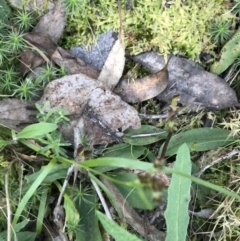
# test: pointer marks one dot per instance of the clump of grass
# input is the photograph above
(227, 215)
(232, 122)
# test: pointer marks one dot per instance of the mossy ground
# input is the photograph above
(176, 27)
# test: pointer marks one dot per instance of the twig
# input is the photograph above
(102, 199)
(145, 116)
(149, 134)
(8, 209)
(227, 156)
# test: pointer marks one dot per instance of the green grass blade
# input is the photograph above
(176, 214)
(32, 189)
(119, 162)
(42, 209)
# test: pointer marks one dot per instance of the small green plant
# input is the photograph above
(221, 31)
(72, 6)
(8, 83)
(15, 40)
(27, 90)
(46, 74)
(24, 20)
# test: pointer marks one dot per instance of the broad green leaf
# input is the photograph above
(201, 139)
(117, 232)
(26, 236)
(125, 151)
(88, 226)
(145, 135)
(176, 214)
(134, 191)
(36, 130)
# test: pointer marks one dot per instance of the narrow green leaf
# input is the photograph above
(21, 225)
(72, 215)
(176, 214)
(36, 130)
(45, 171)
(118, 162)
(128, 163)
(42, 208)
(145, 135)
(4, 143)
(201, 139)
(117, 232)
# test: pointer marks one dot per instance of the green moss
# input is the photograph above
(171, 28)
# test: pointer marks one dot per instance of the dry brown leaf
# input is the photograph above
(42, 48)
(114, 64)
(52, 23)
(195, 86)
(143, 89)
(73, 65)
(29, 60)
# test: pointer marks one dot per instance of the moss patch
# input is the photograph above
(176, 27)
